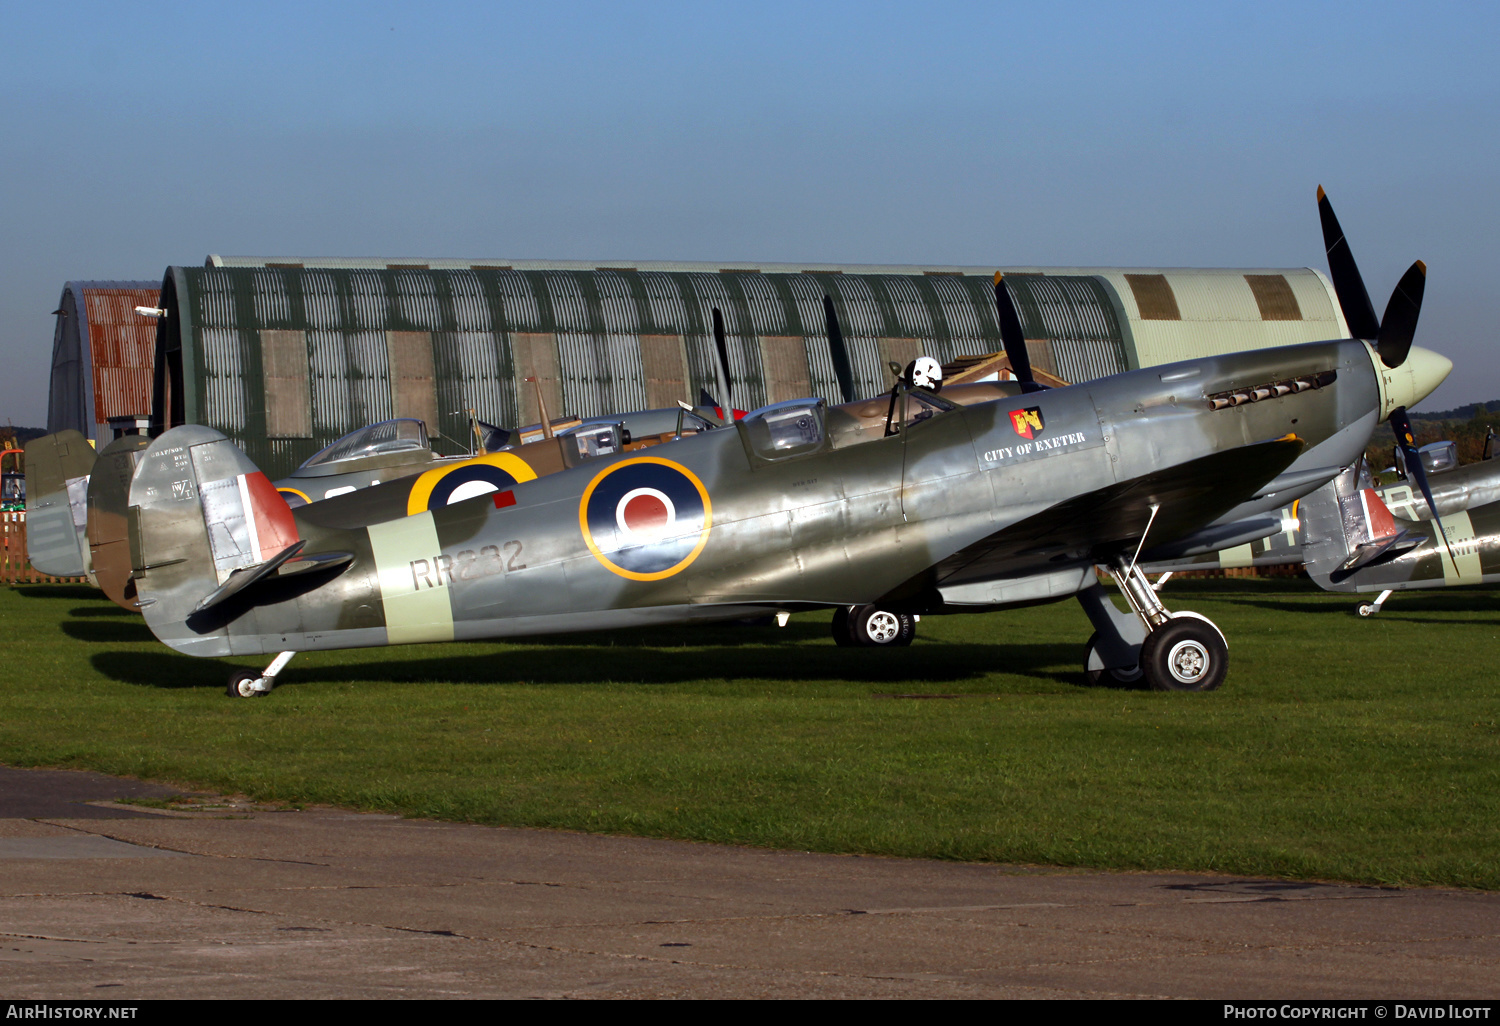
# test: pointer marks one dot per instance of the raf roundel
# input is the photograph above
(447, 485)
(645, 518)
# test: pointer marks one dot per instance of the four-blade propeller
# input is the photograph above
(1392, 335)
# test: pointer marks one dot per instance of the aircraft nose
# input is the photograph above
(1421, 373)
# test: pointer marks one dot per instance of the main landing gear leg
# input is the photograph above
(1371, 608)
(1182, 651)
(247, 685)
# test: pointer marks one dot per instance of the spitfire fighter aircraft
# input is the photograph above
(946, 508)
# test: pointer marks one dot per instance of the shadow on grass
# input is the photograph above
(111, 610)
(947, 665)
(108, 632)
(71, 592)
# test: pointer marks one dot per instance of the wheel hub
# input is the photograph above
(883, 627)
(1188, 661)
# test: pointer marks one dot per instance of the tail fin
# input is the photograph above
(1345, 526)
(108, 509)
(57, 480)
(199, 511)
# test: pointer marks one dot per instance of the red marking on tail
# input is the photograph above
(275, 527)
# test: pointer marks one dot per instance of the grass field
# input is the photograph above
(1339, 748)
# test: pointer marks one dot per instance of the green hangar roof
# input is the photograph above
(285, 354)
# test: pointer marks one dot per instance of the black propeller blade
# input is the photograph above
(1393, 333)
(1413, 459)
(1359, 312)
(1399, 326)
(1014, 337)
(838, 352)
(722, 350)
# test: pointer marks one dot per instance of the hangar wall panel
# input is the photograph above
(286, 355)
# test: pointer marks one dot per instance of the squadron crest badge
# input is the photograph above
(1027, 422)
(645, 518)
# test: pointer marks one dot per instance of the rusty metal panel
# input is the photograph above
(413, 383)
(536, 357)
(664, 362)
(120, 349)
(1154, 297)
(288, 400)
(1274, 297)
(787, 373)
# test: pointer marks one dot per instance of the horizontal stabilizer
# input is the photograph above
(1376, 552)
(241, 579)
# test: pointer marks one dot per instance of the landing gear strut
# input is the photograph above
(1371, 608)
(1170, 651)
(243, 684)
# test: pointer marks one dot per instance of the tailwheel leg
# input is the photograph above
(243, 684)
(1371, 608)
(1181, 651)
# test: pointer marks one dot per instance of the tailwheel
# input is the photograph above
(874, 627)
(1099, 675)
(1366, 609)
(1185, 654)
(242, 685)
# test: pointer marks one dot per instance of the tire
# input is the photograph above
(1185, 654)
(241, 685)
(1108, 678)
(841, 636)
(874, 627)
(1365, 609)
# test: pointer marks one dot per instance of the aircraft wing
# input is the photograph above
(1097, 526)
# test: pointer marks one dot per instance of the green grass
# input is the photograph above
(1339, 748)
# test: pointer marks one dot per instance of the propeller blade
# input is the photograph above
(1014, 337)
(838, 352)
(1359, 312)
(1401, 424)
(1399, 326)
(721, 350)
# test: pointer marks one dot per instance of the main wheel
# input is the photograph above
(1119, 677)
(1185, 654)
(875, 627)
(242, 685)
(841, 635)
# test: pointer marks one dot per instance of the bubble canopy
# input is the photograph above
(382, 439)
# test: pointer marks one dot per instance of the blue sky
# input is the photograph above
(137, 136)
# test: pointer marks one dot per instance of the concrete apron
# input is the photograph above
(227, 899)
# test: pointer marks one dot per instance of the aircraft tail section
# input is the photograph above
(202, 524)
(1345, 526)
(57, 478)
(108, 509)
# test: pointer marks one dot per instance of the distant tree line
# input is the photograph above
(1466, 426)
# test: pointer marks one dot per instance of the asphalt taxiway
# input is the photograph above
(227, 899)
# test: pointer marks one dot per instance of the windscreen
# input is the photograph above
(375, 440)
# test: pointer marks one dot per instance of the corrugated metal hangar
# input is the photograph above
(284, 355)
(102, 353)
